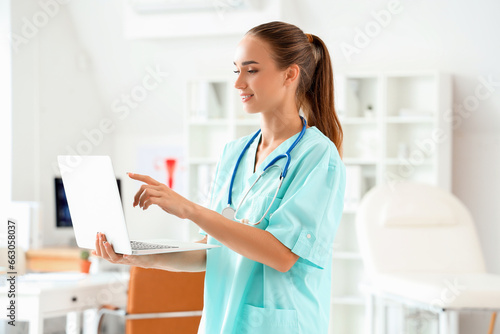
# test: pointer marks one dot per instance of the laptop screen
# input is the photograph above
(63, 217)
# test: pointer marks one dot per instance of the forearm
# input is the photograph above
(177, 261)
(253, 243)
(191, 261)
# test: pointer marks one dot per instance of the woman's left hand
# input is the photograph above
(154, 192)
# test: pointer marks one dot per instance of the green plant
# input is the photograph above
(84, 255)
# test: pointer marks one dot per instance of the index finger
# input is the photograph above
(144, 178)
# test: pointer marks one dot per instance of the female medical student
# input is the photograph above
(277, 197)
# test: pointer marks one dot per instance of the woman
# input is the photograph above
(272, 273)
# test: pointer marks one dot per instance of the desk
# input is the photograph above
(46, 295)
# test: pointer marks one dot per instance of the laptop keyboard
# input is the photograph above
(139, 245)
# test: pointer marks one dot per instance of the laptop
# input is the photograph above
(95, 206)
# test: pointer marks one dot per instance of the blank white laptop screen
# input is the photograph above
(95, 206)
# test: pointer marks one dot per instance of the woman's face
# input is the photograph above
(259, 82)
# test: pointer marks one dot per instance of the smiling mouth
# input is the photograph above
(245, 98)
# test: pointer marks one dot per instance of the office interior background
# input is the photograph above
(73, 79)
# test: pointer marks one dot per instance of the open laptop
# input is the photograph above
(95, 206)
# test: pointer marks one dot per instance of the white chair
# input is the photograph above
(420, 248)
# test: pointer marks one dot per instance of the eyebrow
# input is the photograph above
(247, 62)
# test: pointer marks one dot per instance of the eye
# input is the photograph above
(236, 72)
(252, 71)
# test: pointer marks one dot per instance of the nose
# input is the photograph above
(240, 82)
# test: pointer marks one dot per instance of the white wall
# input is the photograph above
(5, 107)
(55, 98)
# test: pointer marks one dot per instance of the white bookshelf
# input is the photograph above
(213, 116)
(393, 140)
(388, 119)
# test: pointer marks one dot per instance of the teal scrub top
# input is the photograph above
(244, 296)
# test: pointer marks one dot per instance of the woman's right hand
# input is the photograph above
(105, 250)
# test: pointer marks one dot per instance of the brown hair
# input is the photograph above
(289, 45)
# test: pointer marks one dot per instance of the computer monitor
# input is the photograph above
(63, 217)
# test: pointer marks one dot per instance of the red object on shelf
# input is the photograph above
(170, 164)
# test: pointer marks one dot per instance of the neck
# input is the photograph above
(276, 128)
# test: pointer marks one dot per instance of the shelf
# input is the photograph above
(411, 93)
(388, 161)
(409, 119)
(53, 259)
(360, 161)
(348, 300)
(347, 255)
(357, 120)
(208, 122)
(350, 210)
(398, 161)
(247, 122)
(361, 93)
(202, 161)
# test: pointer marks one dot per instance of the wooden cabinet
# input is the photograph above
(53, 259)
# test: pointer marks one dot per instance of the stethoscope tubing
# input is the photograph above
(270, 205)
(229, 200)
(281, 156)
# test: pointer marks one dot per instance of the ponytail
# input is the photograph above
(314, 94)
(320, 97)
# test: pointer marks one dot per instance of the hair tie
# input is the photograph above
(309, 37)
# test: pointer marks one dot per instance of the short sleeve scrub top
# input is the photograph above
(244, 296)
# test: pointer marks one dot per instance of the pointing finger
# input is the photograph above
(144, 178)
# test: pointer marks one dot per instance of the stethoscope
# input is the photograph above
(228, 211)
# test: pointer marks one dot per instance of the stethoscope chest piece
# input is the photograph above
(228, 212)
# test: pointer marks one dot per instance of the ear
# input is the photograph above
(291, 75)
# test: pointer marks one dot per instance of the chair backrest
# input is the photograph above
(158, 291)
(411, 227)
